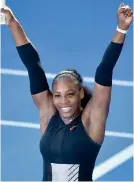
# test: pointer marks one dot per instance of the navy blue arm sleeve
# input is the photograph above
(31, 60)
(104, 71)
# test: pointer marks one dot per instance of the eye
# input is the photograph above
(56, 95)
(71, 94)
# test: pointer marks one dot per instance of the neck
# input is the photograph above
(69, 120)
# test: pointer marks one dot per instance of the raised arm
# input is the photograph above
(38, 83)
(96, 112)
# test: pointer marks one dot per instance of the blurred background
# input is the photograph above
(67, 34)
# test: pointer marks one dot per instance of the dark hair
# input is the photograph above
(87, 91)
(87, 96)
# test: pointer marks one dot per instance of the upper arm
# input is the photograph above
(38, 83)
(96, 112)
(44, 103)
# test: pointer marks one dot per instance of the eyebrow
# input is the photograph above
(70, 90)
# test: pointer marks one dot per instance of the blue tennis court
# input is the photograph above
(67, 34)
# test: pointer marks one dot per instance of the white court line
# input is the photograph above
(102, 168)
(37, 126)
(52, 75)
(113, 162)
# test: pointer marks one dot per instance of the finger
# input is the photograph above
(2, 10)
(121, 7)
(127, 6)
(123, 10)
(6, 8)
(130, 14)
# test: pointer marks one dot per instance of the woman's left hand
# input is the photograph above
(125, 17)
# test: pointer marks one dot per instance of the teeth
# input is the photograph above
(66, 109)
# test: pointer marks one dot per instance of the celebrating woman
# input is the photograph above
(72, 120)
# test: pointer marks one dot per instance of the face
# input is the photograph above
(67, 97)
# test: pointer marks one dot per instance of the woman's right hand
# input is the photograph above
(10, 18)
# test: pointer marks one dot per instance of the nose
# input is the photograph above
(64, 100)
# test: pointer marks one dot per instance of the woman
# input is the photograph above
(72, 124)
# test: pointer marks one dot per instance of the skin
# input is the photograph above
(67, 93)
(95, 113)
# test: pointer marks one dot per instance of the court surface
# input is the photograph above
(67, 34)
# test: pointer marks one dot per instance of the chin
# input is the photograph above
(67, 115)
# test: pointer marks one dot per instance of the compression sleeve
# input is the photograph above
(31, 60)
(104, 71)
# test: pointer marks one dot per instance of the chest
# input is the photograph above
(67, 145)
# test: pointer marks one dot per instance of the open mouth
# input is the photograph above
(66, 109)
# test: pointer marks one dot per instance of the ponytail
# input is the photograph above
(87, 96)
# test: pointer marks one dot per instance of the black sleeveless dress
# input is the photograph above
(68, 152)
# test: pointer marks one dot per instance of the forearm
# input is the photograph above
(18, 33)
(119, 37)
(31, 60)
(104, 71)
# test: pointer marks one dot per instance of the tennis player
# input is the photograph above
(72, 130)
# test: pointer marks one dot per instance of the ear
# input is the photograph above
(81, 93)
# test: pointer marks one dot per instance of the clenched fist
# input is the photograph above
(10, 18)
(125, 16)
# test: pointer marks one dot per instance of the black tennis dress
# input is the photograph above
(68, 152)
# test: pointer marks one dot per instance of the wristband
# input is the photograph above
(121, 31)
